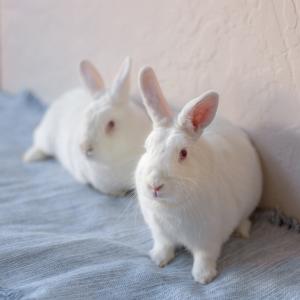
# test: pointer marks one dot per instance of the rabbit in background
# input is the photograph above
(96, 133)
(198, 181)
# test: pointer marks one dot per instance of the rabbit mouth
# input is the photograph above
(159, 197)
(156, 194)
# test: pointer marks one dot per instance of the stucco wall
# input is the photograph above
(246, 50)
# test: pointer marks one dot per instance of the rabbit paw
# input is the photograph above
(243, 230)
(162, 256)
(204, 268)
(204, 276)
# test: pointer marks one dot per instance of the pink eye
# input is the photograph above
(183, 154)
(110, 126)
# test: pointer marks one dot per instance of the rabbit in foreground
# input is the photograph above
(197, 182)
(96, 133)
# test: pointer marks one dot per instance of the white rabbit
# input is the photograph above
(96, 133)
(196, 184)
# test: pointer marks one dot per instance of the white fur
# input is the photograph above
(75, 130)
(205, 197)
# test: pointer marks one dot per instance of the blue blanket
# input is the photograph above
(63, 240)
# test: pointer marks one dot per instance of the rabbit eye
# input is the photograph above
(110, 126)
(183, 154)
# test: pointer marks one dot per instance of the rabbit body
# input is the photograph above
(58, 134)
(97, 138)
(195, 188)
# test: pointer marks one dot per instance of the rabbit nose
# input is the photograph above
(156, 189)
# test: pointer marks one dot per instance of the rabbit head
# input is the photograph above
(171, 161)
(109, 125)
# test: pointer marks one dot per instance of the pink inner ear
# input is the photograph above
(203, 114)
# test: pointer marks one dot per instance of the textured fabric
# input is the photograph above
(63, 240)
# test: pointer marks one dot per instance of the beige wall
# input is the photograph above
(246, 50)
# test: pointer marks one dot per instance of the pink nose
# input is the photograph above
(156, 189)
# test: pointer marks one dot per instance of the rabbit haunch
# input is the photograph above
(197, 182)
(96, 133)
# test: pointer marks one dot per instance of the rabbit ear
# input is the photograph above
(154, 100)
(120, 89)
(91, 78)
(198, 113)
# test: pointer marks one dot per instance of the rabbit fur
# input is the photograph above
(96, 133)
(198, 181)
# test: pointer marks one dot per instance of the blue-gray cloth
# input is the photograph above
(63, 240)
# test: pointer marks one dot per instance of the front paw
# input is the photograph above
(204, 274)
(161, 257)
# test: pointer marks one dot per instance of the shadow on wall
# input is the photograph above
(274, 128)
(279, 149)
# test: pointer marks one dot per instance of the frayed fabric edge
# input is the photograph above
(277, 218)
